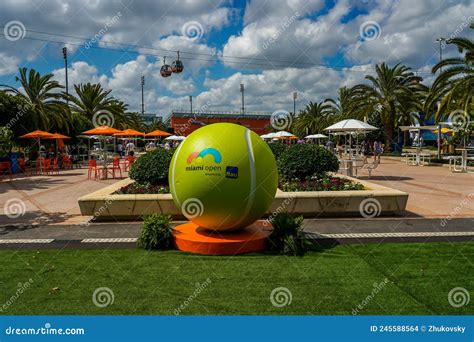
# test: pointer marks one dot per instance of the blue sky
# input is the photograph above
(323, 45)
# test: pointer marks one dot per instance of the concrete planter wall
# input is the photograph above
(104, 205)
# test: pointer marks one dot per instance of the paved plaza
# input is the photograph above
(439, 202)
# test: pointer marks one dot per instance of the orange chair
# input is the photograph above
(40, 165)
(67, 162)
(129, 162)
(6, 169)
(54, 167)
(46, 169)
(92, 168)
(115, 167)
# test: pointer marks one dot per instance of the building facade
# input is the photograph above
(185, 122)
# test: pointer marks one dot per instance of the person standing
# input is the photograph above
(120, 149)
(130, 148)
(378, 150)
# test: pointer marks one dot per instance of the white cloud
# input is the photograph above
(8, 64)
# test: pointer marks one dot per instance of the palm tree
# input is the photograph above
(342, 108)
(42, 95)
(452, 89)
(391, 93)
(157, 124)
(133, 120)
(95, 105)
(313, 118)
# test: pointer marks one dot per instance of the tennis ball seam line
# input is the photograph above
(253, 175)
(174, 194)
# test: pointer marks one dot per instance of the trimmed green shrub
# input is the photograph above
(277, 148)
(302, 161)
(152, 167)
(156, 232)
(287, 237)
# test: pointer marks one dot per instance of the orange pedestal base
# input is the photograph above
(189, 237)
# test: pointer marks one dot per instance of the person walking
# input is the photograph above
(378, 150)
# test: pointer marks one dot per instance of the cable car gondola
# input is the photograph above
(177, 66)
(165, 70)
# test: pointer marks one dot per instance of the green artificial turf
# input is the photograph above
(331, 281)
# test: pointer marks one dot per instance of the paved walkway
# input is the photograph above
(434, 190)
(47, 199)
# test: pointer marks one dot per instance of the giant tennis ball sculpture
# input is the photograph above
(223, 177)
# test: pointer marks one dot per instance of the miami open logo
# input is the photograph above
(210, 168)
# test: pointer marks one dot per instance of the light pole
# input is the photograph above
(65, 69)
(295, 96)
(191, 103)
(143, 99)
(440, 40)
(242, 90)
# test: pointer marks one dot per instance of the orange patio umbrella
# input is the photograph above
(38, 134)
(57, 136)
(102, 130)
(59, 140)
(128, 133)
(158, 133)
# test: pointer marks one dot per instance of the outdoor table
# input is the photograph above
(464, 152)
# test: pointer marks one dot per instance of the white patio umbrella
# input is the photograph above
(175, 138)
(316, 136)
(351, 125)
(283, 134)
(268, 135)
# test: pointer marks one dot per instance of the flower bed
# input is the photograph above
(143, 188)
(327, 183)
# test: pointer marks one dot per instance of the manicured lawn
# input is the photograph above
(330, 281)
